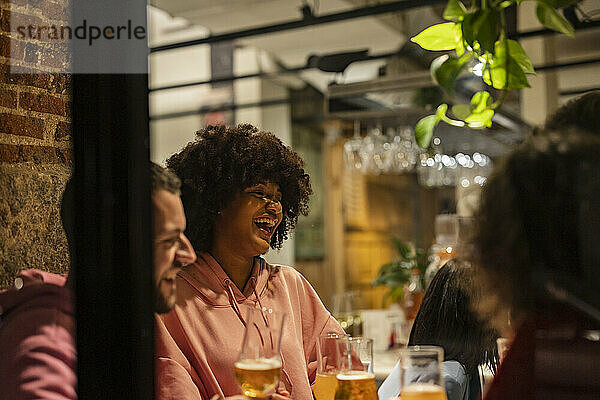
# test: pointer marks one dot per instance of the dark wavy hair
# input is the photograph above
(582, 113)
(447, 318)
(539, 212)
(222, 162)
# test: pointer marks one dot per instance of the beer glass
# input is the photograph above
(421, 373)
(330, 349)
(356, 380)
(259, 364)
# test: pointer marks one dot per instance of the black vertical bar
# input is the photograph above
(113, 228)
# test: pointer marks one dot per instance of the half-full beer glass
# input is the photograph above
(330, 349)
(356, 380)
(259, 363)
(421, 373)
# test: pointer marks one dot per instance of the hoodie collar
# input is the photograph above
(212, 283)
(35, 288)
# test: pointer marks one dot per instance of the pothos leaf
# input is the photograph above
(445, 69)
(481, 119)
(454, 11)
(461, 111)
(437, 37)
(485, 27)
(558, 3)
(424, 130)
(551, 19)
(481, 27)
(503, 66)
(518, 54)
(480, 102)
(440, 112)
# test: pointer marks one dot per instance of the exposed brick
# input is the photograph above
(62, 131)
(40, 154)
(52, 82)
(69, 109)
(9, 153)
(54, 11)
(42, 103)
(8, 98)
(13, 49)
(22, 126)
(32, 52)
(12, 20)
(54, 56)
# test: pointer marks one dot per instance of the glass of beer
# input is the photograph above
(421, 373)
(330, 348)
(259, 364)
(356, 380)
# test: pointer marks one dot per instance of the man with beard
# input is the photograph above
(37, 316)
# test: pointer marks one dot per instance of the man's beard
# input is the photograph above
(163, 305)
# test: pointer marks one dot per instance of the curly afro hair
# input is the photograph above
(222, 162)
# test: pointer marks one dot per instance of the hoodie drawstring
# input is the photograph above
(233, 301)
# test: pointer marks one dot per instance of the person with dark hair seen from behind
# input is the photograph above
(447, 319)
(242, 191)
(582, 113)
(538, 261)
(37, 320)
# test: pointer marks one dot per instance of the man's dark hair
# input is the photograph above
(222, 162)
(163, 178)
(446, 318)
(582, 113)
(539, 214)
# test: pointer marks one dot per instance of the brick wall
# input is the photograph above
(35, 138)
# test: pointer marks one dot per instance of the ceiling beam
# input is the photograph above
(308, 20)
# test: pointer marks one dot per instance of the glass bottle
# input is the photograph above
(413, 295)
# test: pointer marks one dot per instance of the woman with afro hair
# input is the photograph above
(242, 190)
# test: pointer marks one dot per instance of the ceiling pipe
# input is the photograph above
(267, 103)
(308, 20)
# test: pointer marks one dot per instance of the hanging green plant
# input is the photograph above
(478, 40)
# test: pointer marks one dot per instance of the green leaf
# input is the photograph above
(454, 11)
(440, 113)
(437, 37)
(505, 4)
(467, 29)
(518, 54)
(424, 130)
(461, 111)
(551, 19)
(479, 102)
(481, 119)
(485, 27)
(445, 69)
(482, 27)
(501, 63)
(403, 249)
(558, 3)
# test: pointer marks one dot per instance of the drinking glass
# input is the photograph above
(346, 311)
(421, 373)
(259, 363)
(356, 380)
(330, 348)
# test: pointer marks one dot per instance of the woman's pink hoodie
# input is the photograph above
(200, 339)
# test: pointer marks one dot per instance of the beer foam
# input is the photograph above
(259, 364)
(355, 375)
(415, 388)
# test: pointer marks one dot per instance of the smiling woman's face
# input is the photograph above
(247, 224)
